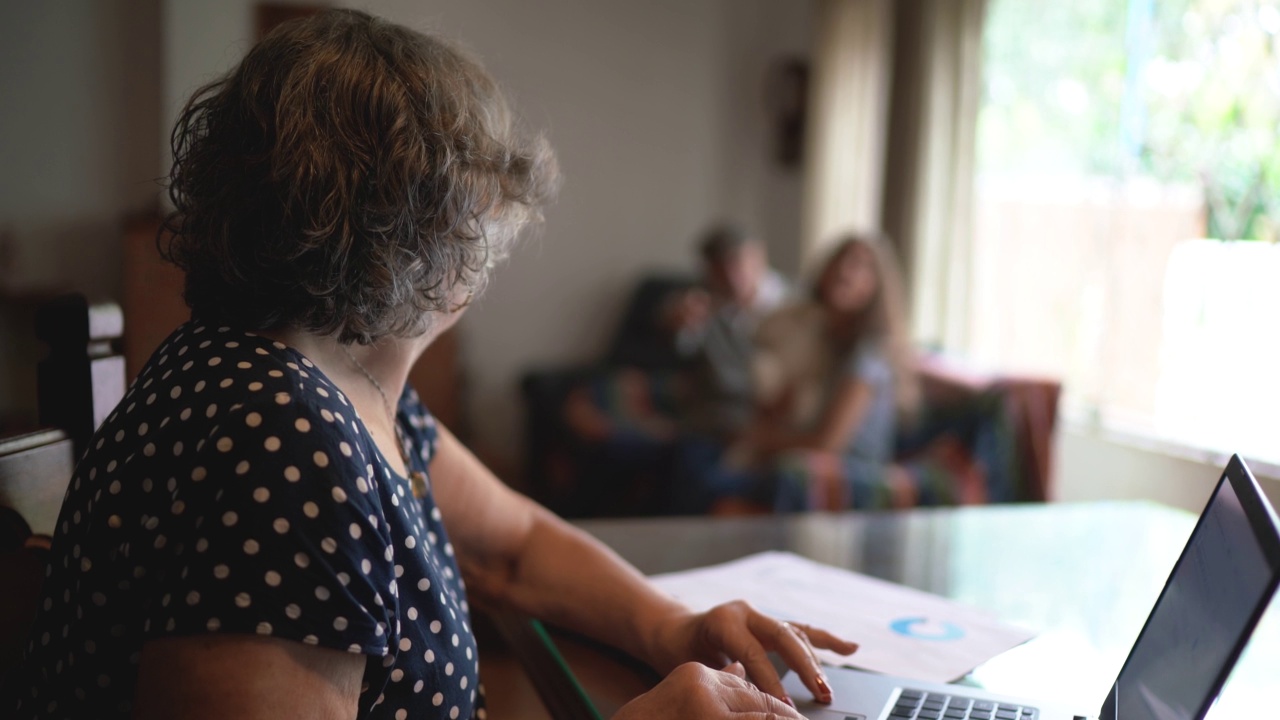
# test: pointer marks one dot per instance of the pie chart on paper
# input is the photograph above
(922, 628)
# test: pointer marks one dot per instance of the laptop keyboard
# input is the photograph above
(920, 705)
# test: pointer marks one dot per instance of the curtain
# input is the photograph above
(848, 111)
(929, 168)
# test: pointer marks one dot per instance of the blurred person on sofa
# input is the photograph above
(833, 377)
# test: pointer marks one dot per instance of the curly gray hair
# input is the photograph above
(349, 177)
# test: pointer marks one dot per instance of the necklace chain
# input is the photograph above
(386, 403)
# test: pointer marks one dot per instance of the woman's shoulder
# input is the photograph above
(212, 389)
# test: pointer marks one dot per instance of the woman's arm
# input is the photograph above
(245, 676)
(513, 551)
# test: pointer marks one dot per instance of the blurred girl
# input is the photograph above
(833, 375)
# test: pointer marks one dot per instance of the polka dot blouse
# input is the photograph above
(235, 490)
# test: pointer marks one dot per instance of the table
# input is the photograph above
(1084, 575)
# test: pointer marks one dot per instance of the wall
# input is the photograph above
(656, 114)
(79, 118)
(1093, 465)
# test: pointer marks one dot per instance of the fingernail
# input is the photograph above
(789, 701)
(823, 687)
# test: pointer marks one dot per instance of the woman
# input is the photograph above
(833, 376)
(270, 524)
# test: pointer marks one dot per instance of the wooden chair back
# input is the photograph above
(78, 384)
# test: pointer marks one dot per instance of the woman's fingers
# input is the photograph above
(825, 640)
(788, 641)
(746, 700)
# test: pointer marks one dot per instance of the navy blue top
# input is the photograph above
(235, 490)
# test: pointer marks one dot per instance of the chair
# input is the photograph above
(78, 384)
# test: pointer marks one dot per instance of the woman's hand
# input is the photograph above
(735, 631)
(694, 690)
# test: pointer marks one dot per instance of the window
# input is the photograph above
(1127, 208)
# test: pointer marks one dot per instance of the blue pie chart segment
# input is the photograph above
(925, 629)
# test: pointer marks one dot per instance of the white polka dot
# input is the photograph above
(455, 640)
(242, 600)
(362, 485)
(229, 518)
(282, 398)
(262, 494)
(329, 545)
(255, 386)
(448, 669)
(221, 571)
(280, 525)
(114, 488)
(244, 365)
(322, 592)
(224, 444)
(302, 424)
(406, 644)
(320, 458)
(291, 474)
(401, 714)
(339, 494)
(339, 623)
(435, 626)
(214, 361)
(149, 449)
(311, 510)
(322, 392)
(437, 699)
(211, 410)
(311, 640)
(424, 585)
(355, 531)
(250, 547)
(272, 443)
(213, 624)
(264, 628)
(253, 419)
(293, 611)
(199, 474)
(453, 713)
(272, 578)
(177, 448)
(463, 682)
(186, 413)
(242, 467)
(410, 542)
(365, 566)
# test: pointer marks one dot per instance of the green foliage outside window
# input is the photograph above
(1184, 91)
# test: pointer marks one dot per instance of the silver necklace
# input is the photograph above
(417, 479)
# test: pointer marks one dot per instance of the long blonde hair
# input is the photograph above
(883, 319)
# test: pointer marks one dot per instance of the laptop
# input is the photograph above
(1209, 606)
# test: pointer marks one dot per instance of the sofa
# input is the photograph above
(601, 438)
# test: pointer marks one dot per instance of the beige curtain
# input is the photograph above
(848, 111)
(929, 173)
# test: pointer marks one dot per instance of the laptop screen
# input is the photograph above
(1208, 607)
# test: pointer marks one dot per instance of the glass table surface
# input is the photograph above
(1083, 576)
